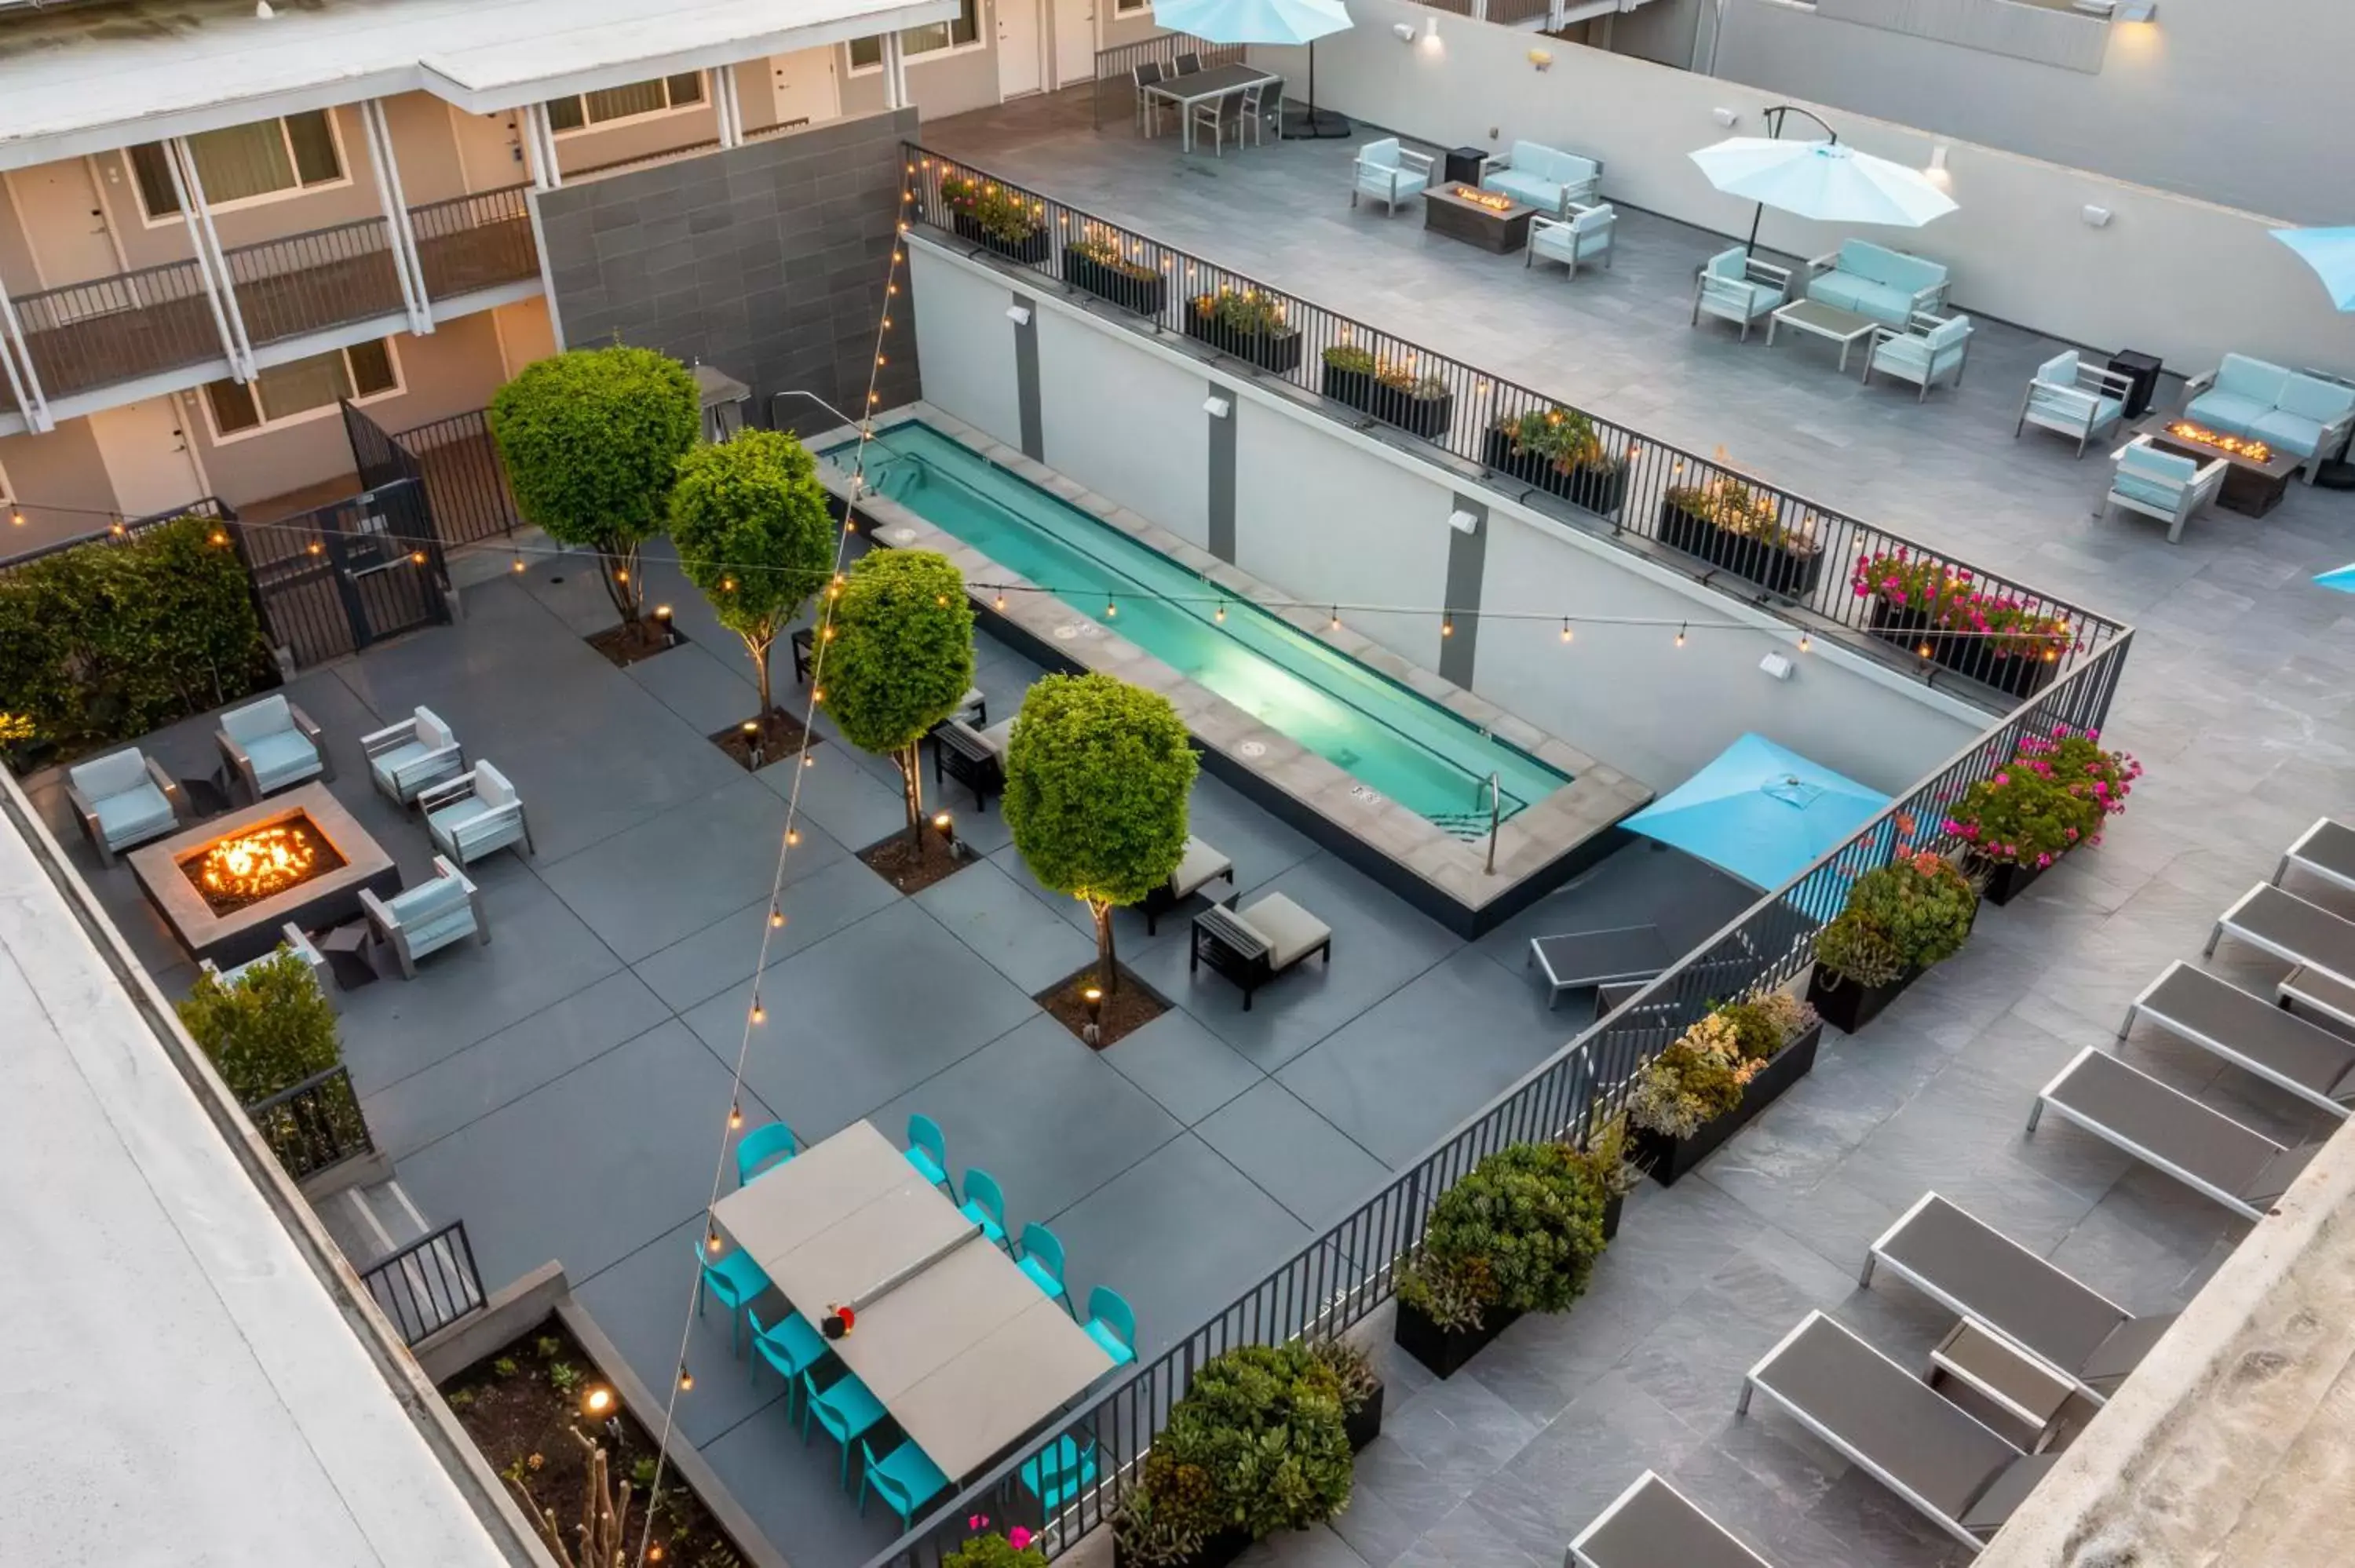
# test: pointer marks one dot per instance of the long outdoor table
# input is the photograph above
(1201, 87)
(965, 1352)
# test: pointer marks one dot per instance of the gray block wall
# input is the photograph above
(769, 261)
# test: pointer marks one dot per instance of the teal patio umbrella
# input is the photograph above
(1821, 180)
(2339, 578)
(1760, 812)
(2331, 253)
(1265, 22)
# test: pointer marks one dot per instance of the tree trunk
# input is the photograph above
(759, 646)
(911, 760)
(622, 583)
(1107, 969)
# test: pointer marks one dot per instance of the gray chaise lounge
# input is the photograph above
(1653, 1525)
(2315, 1064)
(2326, 849)
(1896, 1428)
(1973, 1270)
(2170, 1131)
(2290, 928)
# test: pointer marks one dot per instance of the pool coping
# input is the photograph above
(1543, 846)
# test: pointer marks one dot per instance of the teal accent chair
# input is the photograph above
(273, 744)
(1059, 1473)
(475, 814)
(928, 1151)
(405, 758)
(1874, 280)
(1735, 286)
(1584, 236)
(428, 917)
(2166, 485)
(2307, 415)
(984, 1204)
(762, 1150)
(906, 1477)
(122, 800)
(846, 1409)
(789, 1345)
(2074, 398)
(1546, 178)
(1042, 1260)
(1111, 1323)
(736, 1280)
(1934, 351)
(1389, 174)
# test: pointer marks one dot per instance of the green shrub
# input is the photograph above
(1910, 914)
(1256, 1445)
(994, 1551)
(2048, 799)
(104, 643)
(1563, 437)
(1246, 311)
(268, 1031)
(1001, 212)
(1520, 1232)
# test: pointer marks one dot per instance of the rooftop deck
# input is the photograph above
(2235, 698)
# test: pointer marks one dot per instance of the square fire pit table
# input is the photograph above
(2253, 486)
(1484, 218)
(226, 886)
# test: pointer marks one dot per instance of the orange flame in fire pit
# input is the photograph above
(1492, 200)
(258, 863)
(2237, 446)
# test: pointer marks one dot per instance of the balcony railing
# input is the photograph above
(112, 330)
(428, 1285)
(313, 1125)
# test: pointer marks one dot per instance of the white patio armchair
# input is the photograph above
(273, 744)
(1585, 234)
(2074, 398)
(445, 908)
(1389, 174)
(1735, 286)
(2166, 485)
(122, 800)
(1931, 349)
(405, 758)
(475, 814)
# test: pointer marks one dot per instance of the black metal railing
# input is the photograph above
(428, 1285)
(338, 577)
(117, 328)
(1739, 534)
(1341, 1277)
(477, 241)
(309, 283)
(465, 482)
(1116, 68)
(685, 150)
(314, 1124)
(1507, 12)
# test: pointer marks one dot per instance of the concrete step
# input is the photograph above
(369, 1221)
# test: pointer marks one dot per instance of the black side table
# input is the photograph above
(349, 952)
(2142, 371)
(1462, 166)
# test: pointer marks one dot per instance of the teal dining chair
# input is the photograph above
(1042, 1260)
(1111, 1323)
(1059, 1473)
(791, 1345)
(928, 1151)
(736, 1279)
(762, 1150)
(846, 1409)
(984, 1204)
(906, 1477)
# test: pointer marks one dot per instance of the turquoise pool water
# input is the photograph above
(1393, 741)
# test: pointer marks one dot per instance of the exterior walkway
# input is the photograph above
(2237, 697)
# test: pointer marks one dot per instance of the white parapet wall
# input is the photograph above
(2181, 278)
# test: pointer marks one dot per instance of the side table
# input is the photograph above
(1464, 165)
(348, 950)
(2141, 371)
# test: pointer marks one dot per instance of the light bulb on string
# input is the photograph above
(1680, 635)
(1806, 642)
(735, 1116)
(776, 917)
(1447, 626)
(1000, 603)
(1112, 607)
(711, 1240)
(685, 1378)
(1565, 629)
(1222, 613)
(760, 1013)
(1337, 619)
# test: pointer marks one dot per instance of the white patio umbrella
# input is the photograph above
(1262, 22)
(1821, 180)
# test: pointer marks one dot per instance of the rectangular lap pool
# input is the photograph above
(1391, 739)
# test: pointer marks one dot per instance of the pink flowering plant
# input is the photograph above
(1014, 1549)
(2054, 795)
(1951, 600)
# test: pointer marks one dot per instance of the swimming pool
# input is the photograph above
(1391, 739)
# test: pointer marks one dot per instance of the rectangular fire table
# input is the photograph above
(2252, 485)
(298, 856)
(1478, 218)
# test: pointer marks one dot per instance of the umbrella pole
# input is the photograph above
(1756, 217)
(1314, 126)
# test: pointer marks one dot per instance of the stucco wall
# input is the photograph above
(59, 481)
(1148, 442)
(961, 327)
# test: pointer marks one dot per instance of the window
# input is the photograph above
(960, 32)
(245, 163)
(302, 386)
(634, 101)
(1129, 7)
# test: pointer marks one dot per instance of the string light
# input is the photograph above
(1000, 603)
(1111, 608)
(1447, 626)
(16, 514)
(1335, 623)
(685, 1378)
(1680, 636)
(1806, 642)
(711, 1240)
(1565, 629)
(735, 1116)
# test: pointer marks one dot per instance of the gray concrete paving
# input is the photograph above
(2237, 697)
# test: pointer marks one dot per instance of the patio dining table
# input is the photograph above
(954, 1340)
(1201, 87)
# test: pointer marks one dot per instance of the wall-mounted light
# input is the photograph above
(1776, 665)
(1463, 522)
(1937, 170)
(1542, 58)
(1430, 29)
(1217, 407)
(2137, 11)
(1729, 118)
(2095, 217)
(1019, 315)
(1404, 31)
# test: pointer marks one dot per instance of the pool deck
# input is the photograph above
(1539, 848)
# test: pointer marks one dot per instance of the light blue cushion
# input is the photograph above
(1949, 333)
(251, 723)
(2251, 379)
(429, 901)
(399, 771)
(2150, 462)
(2061, 370)
(1730, 263)
(2071, 408)
(1381, 154)
(473, 827)
(131, 815)
(1906, 354)
(2312, 398)
(1533, 189)
(2291, 432)
(1890, 268)
(283, 758)
(440, 931)
(109, 774)
(2155, 492)
(2227, 411)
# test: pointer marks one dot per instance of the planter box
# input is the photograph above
(1613, 1208)
(1217, 1551)
(2004, 880)
(1146, 296)
(1599, 489)
(1031, 249)
(1668, 1158)
(1426, 417)
(1278, 351)
(1364, 1423)
(1847, 1006)
(1792, 574)
(2017, 675)
(1445, 1350)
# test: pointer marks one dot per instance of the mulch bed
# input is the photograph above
(521, 1406)
(781, 740)
(625, 644)
(912, 868)
(1124, 1012)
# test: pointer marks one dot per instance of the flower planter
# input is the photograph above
(2004, 880)
(1143, 295)
(1278, 351)
(1847, 1006)
(1445, 1350)
(1667, 1159)
(1217, 1551)
(1792, 574)
(1413, 412)
(1612, 1207)
(1600, 489)
(1364, 1423)
(1030, 249)
(2020, 676)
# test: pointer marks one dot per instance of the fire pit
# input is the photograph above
(2257, 474)
(2230, 446)
(1484, 218)
(227, 886)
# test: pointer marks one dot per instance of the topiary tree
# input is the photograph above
(750, 524)
(1096, 784)
(591, 441)
(901, 660)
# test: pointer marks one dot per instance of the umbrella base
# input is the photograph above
(1315, 125)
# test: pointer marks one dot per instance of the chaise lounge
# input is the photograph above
(2289, 928)
(2326, 849)
(1874, 280)
(2315, 1064)
(1653, 1525)
(974, 757)
(2297, 413)
(1973, 1270)
(1252, 947)
(1544, 177)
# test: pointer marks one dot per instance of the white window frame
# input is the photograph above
(324, 411)
(982, 39)
(175, 220)
(669, 110)
(1130, 7)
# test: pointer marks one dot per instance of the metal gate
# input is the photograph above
(340, 576)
